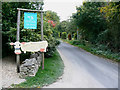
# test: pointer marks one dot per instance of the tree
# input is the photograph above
(71, 27)
(112, 15)
(53, 19)
(50, 15)
(89, 20)
(9, 19)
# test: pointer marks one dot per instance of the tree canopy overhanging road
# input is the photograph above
(84, 70)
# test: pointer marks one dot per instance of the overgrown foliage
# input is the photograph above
(112, 34)
(99, 23)
(68, 26)
(90, 21)
(9, 19)
(64, 35)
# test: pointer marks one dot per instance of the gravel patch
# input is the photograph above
(9, 73)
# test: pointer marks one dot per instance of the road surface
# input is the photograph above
(84, 70)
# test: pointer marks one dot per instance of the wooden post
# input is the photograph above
(42, 39)
(18, 38)
(42, 26)
(77, 33)
(42, 60)
(29, 10)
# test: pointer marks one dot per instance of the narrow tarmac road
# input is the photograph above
(84, 70)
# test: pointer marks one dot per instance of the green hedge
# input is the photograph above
(64, 35)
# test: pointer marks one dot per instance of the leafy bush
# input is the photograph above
(76, 42)
(57, 42)
(64, 35)
(75, 36)
(52, 42)
(79, 42)
(59, 35)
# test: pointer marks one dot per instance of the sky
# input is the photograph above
(63, 8)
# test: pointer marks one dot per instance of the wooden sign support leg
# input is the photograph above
(18, 37)
(42, 60)
(42, 38)
(18, 63)
(77, 34)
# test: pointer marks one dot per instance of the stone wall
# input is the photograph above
(29, 67)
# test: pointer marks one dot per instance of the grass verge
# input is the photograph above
(96, 50)
(53, 70)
